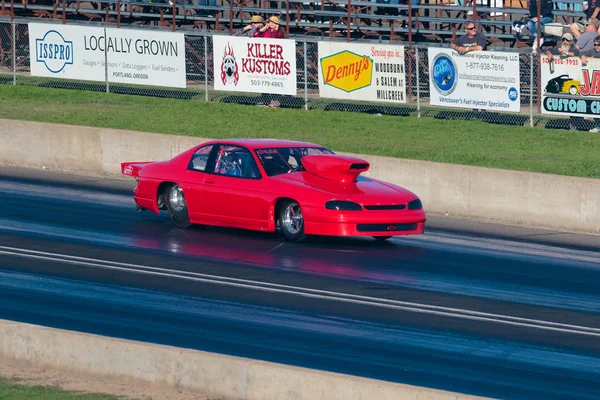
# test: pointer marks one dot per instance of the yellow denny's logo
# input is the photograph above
(347, 71)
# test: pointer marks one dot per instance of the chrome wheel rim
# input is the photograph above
(176, 199)
(292, 218)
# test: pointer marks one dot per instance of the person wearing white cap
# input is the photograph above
(567, 47)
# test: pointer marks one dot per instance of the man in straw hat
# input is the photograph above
(256, 23)
(272, 29)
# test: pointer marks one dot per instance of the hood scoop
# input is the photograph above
(334, 167)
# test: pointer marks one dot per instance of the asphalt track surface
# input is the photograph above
(469, 307)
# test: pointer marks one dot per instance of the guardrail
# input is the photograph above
(429, 20)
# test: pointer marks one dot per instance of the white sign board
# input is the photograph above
(569, 87)
(479, 79)
(139, 57)
(255, 65)
(357, 71)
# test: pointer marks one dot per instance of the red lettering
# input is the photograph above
(251, 49)
(590, 85)
(330, 73)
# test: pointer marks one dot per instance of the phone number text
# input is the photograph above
(258, 82)
(484, 66)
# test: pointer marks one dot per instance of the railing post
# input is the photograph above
(206, 68)
(348, 23)
(418, 82)
(106, 59)
(531, 90)
(14, 52)
(410, 23)
(305, 77)
(174, 15)
(118, 13)
(64, 12)
(230, 17)
(287, 18)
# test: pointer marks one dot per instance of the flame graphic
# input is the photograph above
(228, 52)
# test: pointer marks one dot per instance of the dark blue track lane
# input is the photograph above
(540, 277)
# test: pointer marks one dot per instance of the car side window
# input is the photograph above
(235, 161)
(200, 158)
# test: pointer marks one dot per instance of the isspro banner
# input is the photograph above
(117, 54)
(480, 79)
(357, 71)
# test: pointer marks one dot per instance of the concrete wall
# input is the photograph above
(212, 374)
(514, 197)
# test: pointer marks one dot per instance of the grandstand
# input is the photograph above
(428, 21)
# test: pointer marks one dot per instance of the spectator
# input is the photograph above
(271, 30)
(471, 41)
(585, 40)
(594, 52)
(592, 9)
(546, 18)
(567, 47)
(256, 23)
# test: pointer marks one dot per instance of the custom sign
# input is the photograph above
(358, 71)
(480, 79)
(569, 87)
(124, 55)
(254, 65)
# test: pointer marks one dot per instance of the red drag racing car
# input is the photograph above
(264, 184)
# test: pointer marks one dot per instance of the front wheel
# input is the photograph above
(291, 221)
(177, 207)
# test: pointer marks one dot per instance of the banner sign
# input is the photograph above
(569, 87)
(139, 57)
(255, 65)
(479, 79)
(357, 71)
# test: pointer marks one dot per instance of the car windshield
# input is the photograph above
(285, 160)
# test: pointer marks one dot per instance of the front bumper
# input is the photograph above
(364, 223)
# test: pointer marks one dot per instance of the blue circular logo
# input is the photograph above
(444, 74)
(513, 94)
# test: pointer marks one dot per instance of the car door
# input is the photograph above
(199, 167)
(232, 195)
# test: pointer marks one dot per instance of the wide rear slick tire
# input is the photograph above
(291, 221)
(177, 206)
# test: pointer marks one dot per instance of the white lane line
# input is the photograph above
(304, 292)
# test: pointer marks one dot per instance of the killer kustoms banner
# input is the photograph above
(255, 65)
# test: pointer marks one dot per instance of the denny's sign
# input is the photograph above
(347, 71)
(362, 72)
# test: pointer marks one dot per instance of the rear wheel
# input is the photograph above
(177, 207)
(291, 221)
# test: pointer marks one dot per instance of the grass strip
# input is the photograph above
(12, 390)
(572, 153)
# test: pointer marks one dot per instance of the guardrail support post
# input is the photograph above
(418, 80)
(106, 60)
(206, 68)
(531, 90)
(305, 77)
(14, 51)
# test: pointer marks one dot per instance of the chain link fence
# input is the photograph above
(15, 69)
